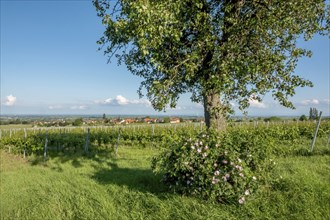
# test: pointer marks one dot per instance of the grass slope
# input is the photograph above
(104, 187)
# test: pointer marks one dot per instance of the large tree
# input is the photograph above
(219, 50)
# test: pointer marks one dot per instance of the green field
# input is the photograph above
(19, 126)
(102, 186)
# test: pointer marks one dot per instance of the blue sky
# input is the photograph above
(50, 65)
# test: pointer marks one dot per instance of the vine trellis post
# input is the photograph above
(87, 140)
(45, 148)
(25, 136)
(315, 133)
(118, 141)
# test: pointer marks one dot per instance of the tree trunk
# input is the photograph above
(214, 117)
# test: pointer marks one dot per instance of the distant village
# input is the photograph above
(95, 121)
(104, 120)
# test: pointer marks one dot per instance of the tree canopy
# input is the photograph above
(218, 50)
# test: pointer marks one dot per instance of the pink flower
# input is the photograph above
(217, 173)
(241, 200)
(199, 150)
(226, 177)
(224, 162)
(247, 192)
(204, 155)
(215, 181)
(206, 147)
(254, 178)
(241, 174)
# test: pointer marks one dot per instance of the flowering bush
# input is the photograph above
(209, 167)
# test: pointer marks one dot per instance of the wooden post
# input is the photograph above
(45, 149)
(118, 141)
(316, 130)
(10, 133)
(59, 143)
(25, 136)
(153, 129)
(87, 140)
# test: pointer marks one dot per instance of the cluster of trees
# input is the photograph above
(313, 115)
(13, 122)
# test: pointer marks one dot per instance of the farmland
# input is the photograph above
(73, 182)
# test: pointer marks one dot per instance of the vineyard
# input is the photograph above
(36, 141)
(82, 177)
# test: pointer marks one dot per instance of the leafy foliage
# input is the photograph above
(233, 50)
(313, 114)
(303, 118)
(228, 167)
(247, 136)
(206, 167)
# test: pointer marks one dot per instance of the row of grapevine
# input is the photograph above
(74, 138)
(33, 141)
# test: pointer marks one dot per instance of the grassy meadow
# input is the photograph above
(102, 186)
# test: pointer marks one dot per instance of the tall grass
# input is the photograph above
(102, 186)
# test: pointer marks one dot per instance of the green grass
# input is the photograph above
(124, 187)
(16, 126)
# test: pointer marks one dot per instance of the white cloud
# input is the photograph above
(121, 100)
(10, 100)
(256, 104)
(326, 101)
(141, 101)
(51, 107)
(79, 107)
(177, 108)
(310, 102)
